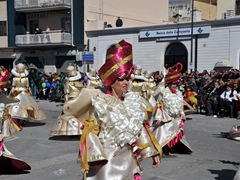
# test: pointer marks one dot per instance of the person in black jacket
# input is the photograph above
(214, 99)
(119, 22)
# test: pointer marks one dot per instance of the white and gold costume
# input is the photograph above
(113, 132)
(149, 87)
(27, 109)
(69, 124)
(169, 132)
(9, 125)
(136, 82)
(93, 79)
(8, 162)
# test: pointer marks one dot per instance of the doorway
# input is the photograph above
(175, 53)
(33, 24)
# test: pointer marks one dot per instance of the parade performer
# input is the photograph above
(27, 109)
(9, 125)
(93, 79)
(8, 162)
(170, 132)
(235, 133)
(136, 82)
(149, 87)
(68, 124)
(115, 135)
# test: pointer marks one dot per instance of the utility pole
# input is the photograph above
(209, 13)
(191, 60)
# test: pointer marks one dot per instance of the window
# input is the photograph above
(3, 29)
(237, 8)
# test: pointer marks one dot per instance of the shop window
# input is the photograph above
(3, 29)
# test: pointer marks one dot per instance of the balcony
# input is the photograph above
(41, 5)
(51, 39)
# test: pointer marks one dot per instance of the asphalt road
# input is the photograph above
(215, 157)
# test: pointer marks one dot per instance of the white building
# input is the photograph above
(157, 45)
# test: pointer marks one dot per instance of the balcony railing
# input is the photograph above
(26, 4)
(44, 39)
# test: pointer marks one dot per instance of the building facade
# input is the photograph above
(156, 46)
(54, 48)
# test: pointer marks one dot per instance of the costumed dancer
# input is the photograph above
(69, 124)
(27, 109)
(8, 162)
(115, 137)
(170, 133)
(136, 82)
(9, 125)
(235, 133)
(93, 79)
(149, 87)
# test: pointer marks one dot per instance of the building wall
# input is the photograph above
(131, 12)
(214, 48)
(223, 6)
(3, 17)
(222, 43)
(208, 11)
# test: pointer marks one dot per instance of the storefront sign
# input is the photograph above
(175, 32)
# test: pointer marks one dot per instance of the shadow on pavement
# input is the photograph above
(222, 135)
(31, 124)
(236, 164)
(65, 138)
(7, 172)
(223, 174)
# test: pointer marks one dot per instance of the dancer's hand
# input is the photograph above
(158, 121)
(84, 171)
(156, 161)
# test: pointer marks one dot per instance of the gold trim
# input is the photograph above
(172, 77)
(96, 158)
(3, 83)
(150, 154)
(144, 146)
(116, 66)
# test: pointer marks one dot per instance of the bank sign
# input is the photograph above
(175, 32)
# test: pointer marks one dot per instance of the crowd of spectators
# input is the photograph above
(214, 92)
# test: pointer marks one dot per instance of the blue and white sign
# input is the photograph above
(87, 56)
(175, 32)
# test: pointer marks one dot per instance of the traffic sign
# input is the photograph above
(87, 56)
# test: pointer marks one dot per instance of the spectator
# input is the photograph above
(214, 99)
(190, 97)
(226, 100)
(119, 22)
(234, 74)
(39, 31)
(47, 34)
(105, 25)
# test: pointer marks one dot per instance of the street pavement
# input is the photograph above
(214, 157)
